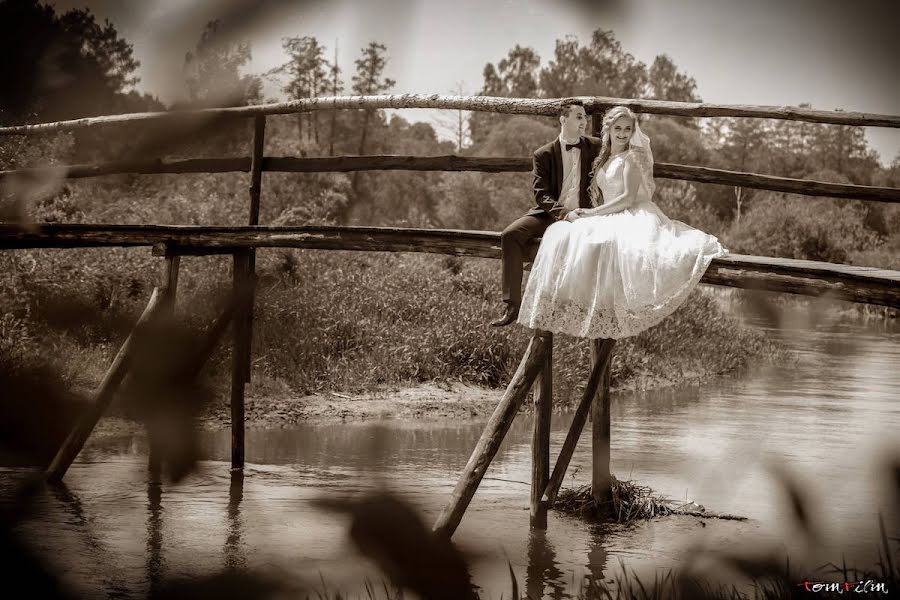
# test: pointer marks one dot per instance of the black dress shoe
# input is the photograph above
(511, 314)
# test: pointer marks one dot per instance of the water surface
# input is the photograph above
(827, 416)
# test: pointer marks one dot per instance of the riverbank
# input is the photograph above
(439, 400)
(344, 336)
(455, 401)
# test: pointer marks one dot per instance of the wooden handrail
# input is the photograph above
(532, 106)
(842, 282)
(450, 163)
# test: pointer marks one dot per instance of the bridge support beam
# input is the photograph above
(533, 362)
(601, 478)
(103, 396)
(540, 441)
(600, 363)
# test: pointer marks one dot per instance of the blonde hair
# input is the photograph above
(609, 118)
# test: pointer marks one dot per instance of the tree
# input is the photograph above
(458, 125)
(369, 81)
(519, 73)
(602, 68)
(745, 149)
(334, 74)
(213, 71)
(606, 69)
(515, 76)
(666, 83)
(481, 123)
(561, 76)
(62, 66)
(843, 149)
(304, 77)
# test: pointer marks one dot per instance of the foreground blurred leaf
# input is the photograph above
(391, 533)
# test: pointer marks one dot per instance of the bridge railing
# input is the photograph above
(594, 105)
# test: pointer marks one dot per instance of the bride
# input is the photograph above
(616, 269)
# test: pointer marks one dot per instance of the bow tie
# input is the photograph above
(577, 144)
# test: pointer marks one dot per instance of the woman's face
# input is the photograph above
(620, 133)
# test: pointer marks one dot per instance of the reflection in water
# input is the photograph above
(154, 536)
(83, 527)
(542, 569)
(235, 558)
(597, 557)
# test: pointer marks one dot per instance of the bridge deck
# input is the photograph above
(843, 282)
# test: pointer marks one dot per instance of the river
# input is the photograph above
(830, 417)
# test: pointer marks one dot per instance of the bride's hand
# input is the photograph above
(573, 215)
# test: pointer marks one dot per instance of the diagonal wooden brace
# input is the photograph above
(498, 425)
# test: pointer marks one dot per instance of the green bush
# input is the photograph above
(797, 227)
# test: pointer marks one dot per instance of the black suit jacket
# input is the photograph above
(548, 176)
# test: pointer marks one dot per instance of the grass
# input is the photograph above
(630, 501)
(345, 321)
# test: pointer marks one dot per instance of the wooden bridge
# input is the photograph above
(844, 282)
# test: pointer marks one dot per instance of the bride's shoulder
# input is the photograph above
(633, 156)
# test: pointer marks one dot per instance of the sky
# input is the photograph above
(831, 54)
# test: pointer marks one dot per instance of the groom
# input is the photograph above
(561, 176)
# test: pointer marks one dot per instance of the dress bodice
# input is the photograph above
(612, 180)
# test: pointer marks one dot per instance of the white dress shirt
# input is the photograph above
(570, 190)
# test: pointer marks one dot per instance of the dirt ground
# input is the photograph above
(428, 401)
(433, 401)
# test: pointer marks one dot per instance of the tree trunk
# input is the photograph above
(300, 129)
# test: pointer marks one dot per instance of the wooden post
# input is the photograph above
(601, 480)
(581, 414)
(240, 356)
(499, 423)
(256, 169)
(102, 398)
(596, 124)
(540, 441)
(168, 288)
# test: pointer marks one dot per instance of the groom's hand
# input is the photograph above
(572, 215)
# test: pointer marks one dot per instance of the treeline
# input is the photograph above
(99, 75)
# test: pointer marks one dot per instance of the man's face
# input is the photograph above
(575, 123)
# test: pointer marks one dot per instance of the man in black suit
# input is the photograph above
(561, 178)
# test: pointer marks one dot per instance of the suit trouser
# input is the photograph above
(514, 248)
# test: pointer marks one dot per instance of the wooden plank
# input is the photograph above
(287, 164)
(811, 278)
(102, 397)
(540, 439)
(578, 421)
(531, 364)
(345, 164)
(495, 104)
(601, 478)
(154, 166)
(804, 187)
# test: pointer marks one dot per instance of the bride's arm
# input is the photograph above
(632, 175)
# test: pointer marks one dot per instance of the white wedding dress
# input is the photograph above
(615, 275)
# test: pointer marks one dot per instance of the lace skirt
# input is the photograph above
(613, 276)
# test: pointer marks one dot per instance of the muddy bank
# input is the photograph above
(449, 400)
(435, 401)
